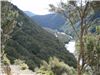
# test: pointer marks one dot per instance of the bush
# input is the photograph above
(56, 67)
(24, 66)
(21, 63)
(5, 60)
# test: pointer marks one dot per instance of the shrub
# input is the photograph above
(56, 67)
(23, 66)
(5, 60)
(21, 63)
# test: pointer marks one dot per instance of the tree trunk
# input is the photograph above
(78, 66)
(7, 70)
(81, 53)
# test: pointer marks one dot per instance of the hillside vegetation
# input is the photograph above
(28, 41)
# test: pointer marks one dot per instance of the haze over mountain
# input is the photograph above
(29, 13)
(53, 20)
(56, 21)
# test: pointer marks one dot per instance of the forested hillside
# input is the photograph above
(53, 20)
(23, 39)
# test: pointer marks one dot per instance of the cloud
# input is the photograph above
(36, 6)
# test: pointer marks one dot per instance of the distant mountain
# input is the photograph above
(53, 21)
(95, 16)
(30, 14)
(56, 21)
(28, 41)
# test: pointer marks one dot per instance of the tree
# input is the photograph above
(92, 51)
(8, 23)
(74, 11)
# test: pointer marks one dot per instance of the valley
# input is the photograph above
(63, 42)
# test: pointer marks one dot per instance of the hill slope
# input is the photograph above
(53, 21)
(28, 41)
(30, 14)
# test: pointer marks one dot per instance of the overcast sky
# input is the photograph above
(39, 7)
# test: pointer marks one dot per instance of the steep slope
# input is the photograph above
(28, 41)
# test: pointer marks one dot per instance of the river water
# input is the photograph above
(70, 46)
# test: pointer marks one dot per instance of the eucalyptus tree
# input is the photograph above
(75, 11)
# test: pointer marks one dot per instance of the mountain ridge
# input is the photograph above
(52, 20)
(29, 13)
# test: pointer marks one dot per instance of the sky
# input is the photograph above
(39, 7)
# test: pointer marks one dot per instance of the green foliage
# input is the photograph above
(98, 29)
(8, 23)
(21, 63)
(24, 66)
(91, 52)
(8, 20)
(5, 60)
(56, 67)
(30, 42)
(92, 45)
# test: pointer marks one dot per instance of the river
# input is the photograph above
(70, 46)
